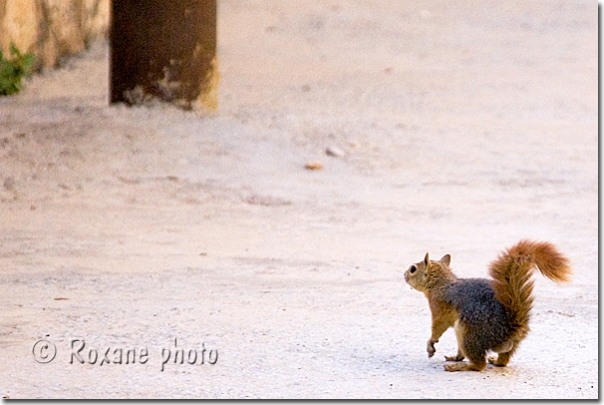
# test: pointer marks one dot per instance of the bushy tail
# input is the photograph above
(513, 285)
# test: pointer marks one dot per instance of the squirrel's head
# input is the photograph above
(426, 274)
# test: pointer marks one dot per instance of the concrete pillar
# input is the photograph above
(164, 49)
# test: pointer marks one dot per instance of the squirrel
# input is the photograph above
(487, 315)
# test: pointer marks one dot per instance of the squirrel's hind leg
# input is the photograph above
(469, 346)
(504, 353)
(459, 333)
(501, 360)
(477, 362)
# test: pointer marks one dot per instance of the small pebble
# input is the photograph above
(333, 151)
(314, 166)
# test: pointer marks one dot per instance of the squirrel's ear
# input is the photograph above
(446, 260)
(426, 259)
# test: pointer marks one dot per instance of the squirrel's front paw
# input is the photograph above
(430, 348)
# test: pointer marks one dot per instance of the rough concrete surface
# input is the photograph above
(459, 127)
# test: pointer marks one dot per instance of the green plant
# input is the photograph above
(13, 70)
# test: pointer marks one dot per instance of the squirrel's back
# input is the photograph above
(485, 316)
(512, 283)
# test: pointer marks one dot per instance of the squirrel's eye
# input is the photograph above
(412, 269)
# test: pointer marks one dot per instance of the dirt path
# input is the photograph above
(463, 129)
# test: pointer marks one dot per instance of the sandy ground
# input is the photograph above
(464, 128)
